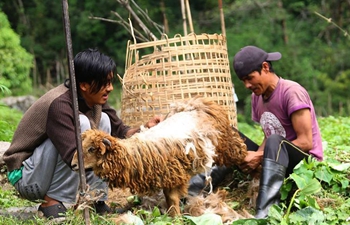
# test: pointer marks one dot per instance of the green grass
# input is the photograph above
(330, 180)
(8, 122)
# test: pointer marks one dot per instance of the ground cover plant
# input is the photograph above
(316, 193)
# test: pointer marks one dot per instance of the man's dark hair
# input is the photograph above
(94, 68)
(258, 69)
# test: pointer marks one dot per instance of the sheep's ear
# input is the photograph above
(106, 142)
(83, 135)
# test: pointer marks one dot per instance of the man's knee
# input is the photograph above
(105, 123)
(84, 123)
(272, 146)
(274, 139)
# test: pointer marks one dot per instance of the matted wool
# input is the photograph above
(158, 73)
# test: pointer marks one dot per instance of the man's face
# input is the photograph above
(255, 82)
(92, 98)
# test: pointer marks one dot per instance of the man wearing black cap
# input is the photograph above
(287, 116)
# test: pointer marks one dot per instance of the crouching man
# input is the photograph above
(44, 143)
(287, 116)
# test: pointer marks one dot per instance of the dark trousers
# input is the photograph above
(280, 150)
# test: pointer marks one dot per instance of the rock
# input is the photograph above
(21, 103)
(3, 147)
(21, 213)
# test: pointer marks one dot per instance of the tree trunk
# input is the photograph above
(283, 25)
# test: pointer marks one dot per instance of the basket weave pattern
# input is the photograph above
(160, 72)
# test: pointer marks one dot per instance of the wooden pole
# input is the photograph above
(73, 89)
(222, 19)
(189, 16)
(183, 12)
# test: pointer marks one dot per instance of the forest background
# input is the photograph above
(315, 51)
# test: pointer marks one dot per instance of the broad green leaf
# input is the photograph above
(285, 190)
(341, 167)
(162, 223)
(344, 183)
(307, 215)
(206, 219)
(336, 188)
(323, 174)
(300, 181)
(312, 202)
(156, 212)
(134, 219)
(276, 213)
(305, 173)
(250, 222)
(311, 187)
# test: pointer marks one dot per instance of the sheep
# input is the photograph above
(195, 135)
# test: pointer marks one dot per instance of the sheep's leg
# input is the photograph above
(172, 197)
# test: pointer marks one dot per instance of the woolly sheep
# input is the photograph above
(195, 134)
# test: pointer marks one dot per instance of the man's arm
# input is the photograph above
(301, 120)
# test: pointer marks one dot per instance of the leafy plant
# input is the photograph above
(315, 193)
(8, 122)
(15, 62)
(9, 198)
(314, 181)
(4, 89)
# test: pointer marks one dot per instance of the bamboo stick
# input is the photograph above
(189, 16)
(183, 11)
(222, 19)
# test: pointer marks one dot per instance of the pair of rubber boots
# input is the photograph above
(271, 180)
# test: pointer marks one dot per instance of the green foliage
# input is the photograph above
(9, 198)
(15, 62)
(316, 193)
(316, 185)
(208, 218)
(315, 52)
(335, 134)
(4, 89)
(155, 217)
(8, 122)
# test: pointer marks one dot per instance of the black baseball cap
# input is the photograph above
(250, 57)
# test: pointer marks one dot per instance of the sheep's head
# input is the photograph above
(94, 146)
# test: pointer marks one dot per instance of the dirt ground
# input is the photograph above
(233, 200)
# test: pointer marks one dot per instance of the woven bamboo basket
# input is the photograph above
(161, 72)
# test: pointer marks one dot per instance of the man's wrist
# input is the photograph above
(146, 125)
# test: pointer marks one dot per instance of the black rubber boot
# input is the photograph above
(198, 182)
(218, 174)
(271, 180)
(101, 208)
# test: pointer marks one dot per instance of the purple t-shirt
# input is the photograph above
(274, 114)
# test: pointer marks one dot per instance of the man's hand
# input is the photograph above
(251, 161)
(154, 121)
(151, 123)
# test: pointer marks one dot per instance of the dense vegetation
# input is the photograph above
(315, 52)
(316, 193)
